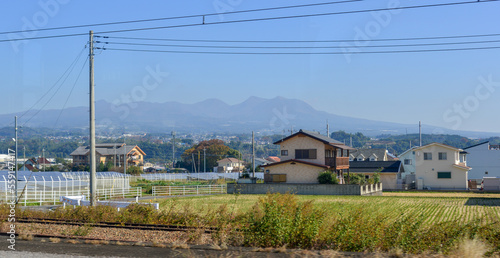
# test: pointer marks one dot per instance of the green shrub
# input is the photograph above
(355, 179)
(277, 220)
(376, 177)
(328, 177)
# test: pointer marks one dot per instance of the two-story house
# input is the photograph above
(228, 165)
(114, 153)
(304, 155)
(440, 166)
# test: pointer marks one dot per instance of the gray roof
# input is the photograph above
(380, 153)
(104, 149)
(372, 166)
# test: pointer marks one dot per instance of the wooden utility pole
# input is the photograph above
(93, 161)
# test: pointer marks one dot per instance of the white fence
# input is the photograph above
(193, 176)
(40, 190)
(188, 190)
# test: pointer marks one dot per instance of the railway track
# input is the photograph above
(159, 227)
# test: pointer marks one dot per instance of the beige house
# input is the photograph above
(229, 165)
(389, 171)
(440, 166)
(304, 155)
(114, 153)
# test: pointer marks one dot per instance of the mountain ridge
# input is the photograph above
(276, 115)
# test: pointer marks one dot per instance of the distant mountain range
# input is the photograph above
(212, 115)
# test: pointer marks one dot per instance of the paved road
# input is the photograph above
(36, 248)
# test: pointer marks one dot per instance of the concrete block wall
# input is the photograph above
(306, 189)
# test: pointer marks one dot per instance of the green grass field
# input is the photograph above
(434, 209)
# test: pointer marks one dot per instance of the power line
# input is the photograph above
(299, 16)
(57, 90)
(50, 89)
(181, 17)
(301, 53)
(302, 47)
(303, 41)
(46, 37)
(71, 91)
(256, 19)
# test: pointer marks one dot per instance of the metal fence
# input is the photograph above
(40, 189)
(192, 176)
(188, 190)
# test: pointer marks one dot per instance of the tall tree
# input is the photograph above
(215, 150)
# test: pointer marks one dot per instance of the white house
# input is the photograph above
(408, 160)
(484, 160)
(440, 167)
(229, 165)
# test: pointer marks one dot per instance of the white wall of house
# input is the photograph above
(428, 171)
(483, 161)
(408, 161)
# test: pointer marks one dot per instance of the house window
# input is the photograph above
(407, 161)
(284, 152)
(442, 156)
(305, 154)
(427, 155)
(444, 175)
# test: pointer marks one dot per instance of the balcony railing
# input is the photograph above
(337, 162)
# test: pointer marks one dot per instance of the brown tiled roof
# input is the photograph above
(273, 159)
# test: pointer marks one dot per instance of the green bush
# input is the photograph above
(355, 179)
(277, 220)
(327, 177)
(376, 178)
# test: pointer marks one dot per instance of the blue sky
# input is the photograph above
(457, 90)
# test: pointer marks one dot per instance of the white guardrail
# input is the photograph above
(188, 190)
